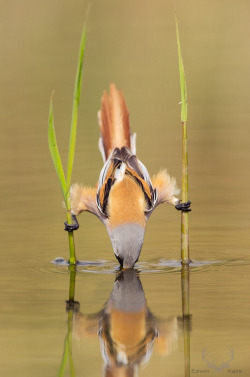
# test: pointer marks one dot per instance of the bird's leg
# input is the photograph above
(73, 226)
(184, 207)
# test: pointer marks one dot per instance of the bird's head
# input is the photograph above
(127, 240)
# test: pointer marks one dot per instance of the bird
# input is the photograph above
(125, 196)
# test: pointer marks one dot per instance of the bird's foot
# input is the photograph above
(184, 207)
(72, 305)
(73, 226)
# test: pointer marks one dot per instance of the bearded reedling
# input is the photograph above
(125, 196)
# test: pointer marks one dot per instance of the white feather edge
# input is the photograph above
(133, 143)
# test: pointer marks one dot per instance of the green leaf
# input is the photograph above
(55, 152)
(182, 78)
(76, 100)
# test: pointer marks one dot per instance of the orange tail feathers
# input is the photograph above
(114, 123)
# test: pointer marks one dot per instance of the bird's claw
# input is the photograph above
(184, 207)
(73, 226)
(72, 305)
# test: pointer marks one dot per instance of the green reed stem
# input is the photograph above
(64, 359)
(65, 183)
(59, 169)
(186, 317)
(72, 283)
(184, 215)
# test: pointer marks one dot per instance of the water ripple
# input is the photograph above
(60, 265)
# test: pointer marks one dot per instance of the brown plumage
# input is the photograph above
(114, 121)
(125, 196)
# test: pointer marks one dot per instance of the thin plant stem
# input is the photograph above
(69, 338)
(64, 358)
(67, 351)
(185, 290)
(184, 215)
(65, 183)
(72, 283)
(72, 252)
(186, 317)
(60, 172)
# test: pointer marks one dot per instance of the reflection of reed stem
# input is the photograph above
(69, 340)
(185, 290)
(64, 359)
(67, 353)
(186, 317)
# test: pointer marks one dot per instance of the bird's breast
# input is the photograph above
(126, 203)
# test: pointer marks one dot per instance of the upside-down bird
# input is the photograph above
(127, 329)
(125, 195)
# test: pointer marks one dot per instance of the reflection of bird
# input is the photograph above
(127, 330)
(125, 195)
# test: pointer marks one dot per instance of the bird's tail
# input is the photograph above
(114, 123)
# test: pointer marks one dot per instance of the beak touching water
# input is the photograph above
(127, 240)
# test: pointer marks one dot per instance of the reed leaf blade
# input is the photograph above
(55, 151)
(76, 100)
(182, 78)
